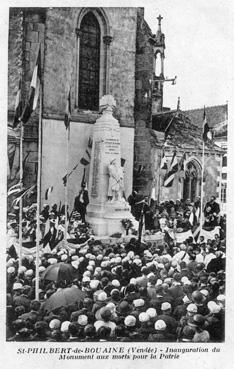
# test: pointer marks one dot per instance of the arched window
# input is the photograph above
(89, 65)
(158, 64)
(192, 181)
(92, 58)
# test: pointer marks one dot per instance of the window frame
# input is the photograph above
(104, 61)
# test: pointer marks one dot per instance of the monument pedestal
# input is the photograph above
(106, 175)
(107, 220)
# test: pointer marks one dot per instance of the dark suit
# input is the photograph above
(81, 202)
(51, 238)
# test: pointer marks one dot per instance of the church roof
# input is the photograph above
(214, 115)
(180, 132)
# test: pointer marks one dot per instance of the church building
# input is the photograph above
(88, 53)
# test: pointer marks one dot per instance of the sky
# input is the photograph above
(199, 43)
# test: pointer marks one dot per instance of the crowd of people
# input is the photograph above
(129, 291)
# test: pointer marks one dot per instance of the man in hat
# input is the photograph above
(51, 236)
(81, 202)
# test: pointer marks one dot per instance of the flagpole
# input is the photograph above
(21, 188)
(38, 196)
(66, 185)
(202, 177)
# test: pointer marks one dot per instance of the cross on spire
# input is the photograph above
(159, 20)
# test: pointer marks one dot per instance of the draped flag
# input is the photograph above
(153, 194)
(181, 167)
(14, 189)
(48, 192)
(169, 178)
(34, 90)
(18, 107)
(85, 160)
(207, 132)
(25, 193)
(83, 181)
(67, 117)
(163, 164)
(68, 174)
(140, 169)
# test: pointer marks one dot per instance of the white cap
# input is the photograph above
(138, 302)
(85, 279)
(192, 308)
(94, 283)
(17, 286)
(11, 270)
(165, 306)
(151, 312)
(65, 326)
(102, 296)
(55, 324)
(143, 317)
(82, 319)
(160, 325)
(115, 283)
(130, 321)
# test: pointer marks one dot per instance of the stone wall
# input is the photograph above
(15, 41)
(60, 60)
(54, 158)
(212, 175)
(143, 154)
(144, 70)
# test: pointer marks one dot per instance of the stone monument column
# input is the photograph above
(106, 203)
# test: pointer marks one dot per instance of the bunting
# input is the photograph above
(181, 167)
(34, 91)
(85, 160)
(18, 107)
(207, 132)
(48, 192)
(169, 178)
(163, 164)
(25, 193)
(67, 117)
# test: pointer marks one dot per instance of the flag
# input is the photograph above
(85, 160)
(207, 133)
(83, 181)
(191, 218)
(48, 192)
(153, 193)
(18, 107)
(196, 232)
(14, 189)
(163, 164)
(68, 174)
(34, 91)
(181, 166)
(141, 169)
(67, 117)
(197, 214)
(25, 193)
(169, 178)
(90, 143)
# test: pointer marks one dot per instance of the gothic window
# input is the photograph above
(89, 63)
(224, 162)
(224, 192)
(191, 182)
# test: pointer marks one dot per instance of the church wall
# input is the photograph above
(212, 176)
(54, 158)
(60, 60)
(144, 73)
(15, 40)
